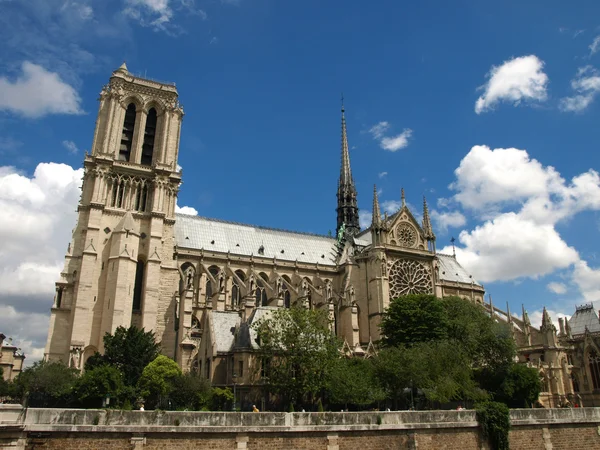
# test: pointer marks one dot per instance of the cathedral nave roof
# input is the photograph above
(196, 232)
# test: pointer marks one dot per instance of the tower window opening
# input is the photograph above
(59, 294)
(149, 134)
(127, 135)
(139, 282)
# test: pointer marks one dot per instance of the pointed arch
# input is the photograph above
(139, 285)
(236, 294)
(261, 292)
(210, 289)
(593, 362)
(127, 133)
(149, 135)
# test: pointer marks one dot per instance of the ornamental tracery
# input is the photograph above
(406, 234)
(407, 276)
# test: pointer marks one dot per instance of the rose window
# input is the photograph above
(407, 235)
(408, 276)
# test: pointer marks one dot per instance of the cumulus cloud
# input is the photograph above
(557, 288)
(37, 92)
(448, 219)
(391, 206)
(186, 210)
(520, 202)
(510, 247)
(70, 146)
(38, 216)
(390, 143)
(535, 317)
(158, 14)
(519, 79)
(586, 85)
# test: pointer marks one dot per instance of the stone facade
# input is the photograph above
(11, 358)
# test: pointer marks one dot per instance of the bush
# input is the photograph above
(97, 384)
(47, 385)
(158, 380)
(494, 419)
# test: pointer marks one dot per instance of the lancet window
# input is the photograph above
(118, 191)
(127, 134)
(138, 286)
(236, 294)
(287, 297)
(261, 292)
(594, 364)
(149, 134)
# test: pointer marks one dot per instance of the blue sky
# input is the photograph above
(435, 92)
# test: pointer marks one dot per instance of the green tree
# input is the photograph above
(352, 381)
(414, 318)
(158, 380)
(191, 392)
(130, 350)
(516, 385)
(221, 399)
(97, 384)
(46, 385)
(297, 351)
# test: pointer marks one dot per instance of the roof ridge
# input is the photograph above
(261, 227)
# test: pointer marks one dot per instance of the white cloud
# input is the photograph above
(448, 219)
(38, 92)
(587, 280)
(514, 81)
(586, 84)
(70, 146)
(397, 142)
(521, 201)
(390, 143)
(378, 131)
(595, 45)
(186, 210)
(557, 288)
(486, 177)
(38, 216)
(382, 174)
(510, 247)
(391, 206)
(364, 219)
(158, 14)
(535, 317)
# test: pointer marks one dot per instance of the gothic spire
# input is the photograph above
(347, 205)
(402, 197)
(345, 171)
(427, 228)
(376, 222)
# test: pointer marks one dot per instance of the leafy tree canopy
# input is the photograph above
(298, 351)
(413, 319)
(46, 384)
(191, 392)
(158, 379)
(352, 381)
(99, 383)
(130, 350)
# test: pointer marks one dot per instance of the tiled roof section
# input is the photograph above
(585, 316)
(451, 270)
(221, 236)
(224, 324)
(247, 334)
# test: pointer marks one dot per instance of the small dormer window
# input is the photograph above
(261, 250)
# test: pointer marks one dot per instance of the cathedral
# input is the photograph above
(200, 283)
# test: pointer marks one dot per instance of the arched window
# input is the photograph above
(117, 193)
(261, 293)
(575, 382)
(594, 363)
(127, 135)
(137, 289)
(210, 289)
(149, 133)
(141, 197)
(59, 293)
(287, 297)
(236, 295)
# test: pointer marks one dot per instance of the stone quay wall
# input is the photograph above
(66, 429)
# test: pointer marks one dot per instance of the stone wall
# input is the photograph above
(67, 429)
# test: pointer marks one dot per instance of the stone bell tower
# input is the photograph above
(119, 266)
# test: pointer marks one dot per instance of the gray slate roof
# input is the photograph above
(584, 316)
(451, 270)
(224, 324)
(196, 232)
